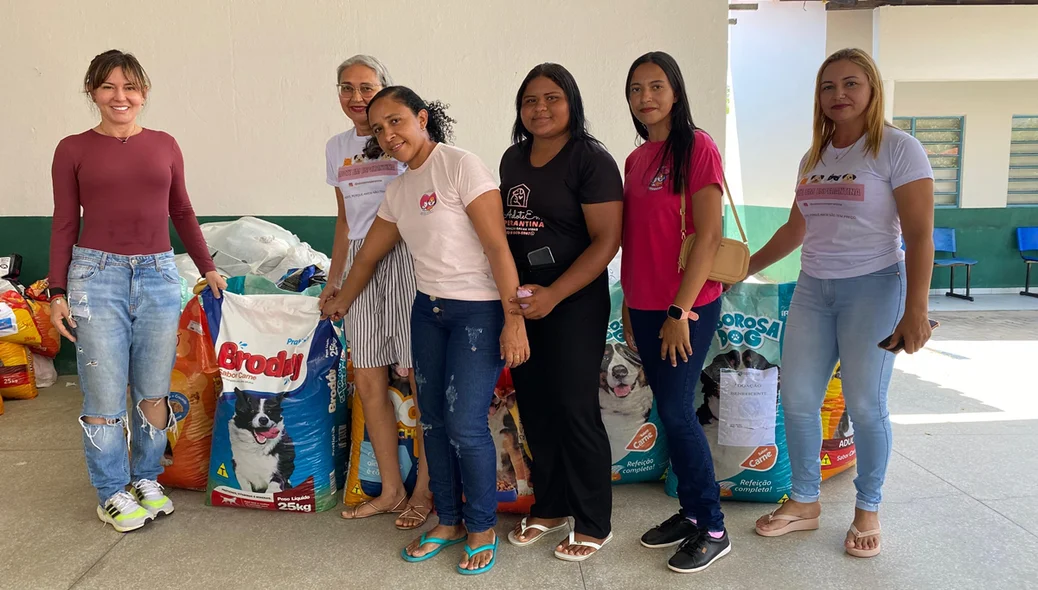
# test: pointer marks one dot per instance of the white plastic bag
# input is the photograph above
(253, 246)
(46, 374)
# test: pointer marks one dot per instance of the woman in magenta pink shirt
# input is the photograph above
(670, 315)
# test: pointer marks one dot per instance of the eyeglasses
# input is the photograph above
(366, 90)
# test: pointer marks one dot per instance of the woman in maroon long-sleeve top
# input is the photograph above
(115, 290)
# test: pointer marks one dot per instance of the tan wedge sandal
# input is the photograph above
(796, 523)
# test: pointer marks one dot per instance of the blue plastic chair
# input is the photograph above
(1027, 241)
(944, 242)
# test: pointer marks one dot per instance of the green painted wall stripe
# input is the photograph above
(987, 235)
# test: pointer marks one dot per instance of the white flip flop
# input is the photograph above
(534, 527)
(573, 542)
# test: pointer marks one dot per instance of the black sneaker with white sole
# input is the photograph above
(699, 552)
(672, 532)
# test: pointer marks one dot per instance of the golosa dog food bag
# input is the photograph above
(364, 481)
(636, 438)
(194, 386)
(274, 429)
(738, 399)
(514, 487)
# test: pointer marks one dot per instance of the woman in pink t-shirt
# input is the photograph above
(666, 308)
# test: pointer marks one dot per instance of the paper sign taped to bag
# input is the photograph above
(748, 407)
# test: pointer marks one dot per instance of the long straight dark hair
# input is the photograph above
(677, 149)
(577, 120)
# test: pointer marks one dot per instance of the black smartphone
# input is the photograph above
(540, 257)
(69, 327)
(901, 345)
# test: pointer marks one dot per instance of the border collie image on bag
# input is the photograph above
(274, 429)
(261, 451)
(637, 442)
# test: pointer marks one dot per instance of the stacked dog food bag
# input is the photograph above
(274, 434)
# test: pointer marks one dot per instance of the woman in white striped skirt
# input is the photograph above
(378, 327)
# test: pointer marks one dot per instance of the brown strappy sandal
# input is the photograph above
(351, 512)
(414, 512)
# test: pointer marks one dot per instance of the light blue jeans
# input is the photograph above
(841, 319)
(127, 310)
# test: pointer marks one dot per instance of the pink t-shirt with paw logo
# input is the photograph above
(649, 271)
(428, 205)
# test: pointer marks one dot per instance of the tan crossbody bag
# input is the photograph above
(732, 261)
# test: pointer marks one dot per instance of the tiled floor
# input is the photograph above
(960, 511)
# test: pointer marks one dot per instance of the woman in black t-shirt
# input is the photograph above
(563, 205)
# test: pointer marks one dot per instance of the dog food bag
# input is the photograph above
(364, 481)
(194, 385)
(16, 318)
(636, 437)
(274, 428)
(838, 453)
(17, 375)
(514, 487)
(738, 396)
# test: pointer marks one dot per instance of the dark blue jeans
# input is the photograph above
(457, 360)
(675, 392)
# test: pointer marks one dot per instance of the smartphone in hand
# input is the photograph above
(934, 324)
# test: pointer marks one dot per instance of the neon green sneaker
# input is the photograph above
(123, 513)
(150, 496)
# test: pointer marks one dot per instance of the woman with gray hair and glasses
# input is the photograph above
(378, 325)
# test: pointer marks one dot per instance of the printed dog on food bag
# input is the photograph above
(624, 395)
(262, 453)
(512, 471)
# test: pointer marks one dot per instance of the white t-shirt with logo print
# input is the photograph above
(362, 182)
(847, 200)
(428, 205)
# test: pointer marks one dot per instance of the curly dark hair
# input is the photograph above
(440, 126)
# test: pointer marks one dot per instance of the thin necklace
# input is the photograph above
(122, 139)
(839, 154)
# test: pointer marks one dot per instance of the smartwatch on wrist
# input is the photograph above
(676, 313)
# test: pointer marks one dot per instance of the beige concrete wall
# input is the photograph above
(247, 86)
(988, 108)
(848, 28)
(943, 43)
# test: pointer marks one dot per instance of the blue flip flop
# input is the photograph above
(472, 552)
(424, 540)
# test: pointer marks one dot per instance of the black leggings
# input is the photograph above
(557, 397)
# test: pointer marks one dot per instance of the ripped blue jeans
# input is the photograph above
(127, 310)
(457, 359)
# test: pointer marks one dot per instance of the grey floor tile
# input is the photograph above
(985, 467)
(1023, 511)
(49, 533)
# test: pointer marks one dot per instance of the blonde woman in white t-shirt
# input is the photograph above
(447, 208)
(862, 186)
(379, 329)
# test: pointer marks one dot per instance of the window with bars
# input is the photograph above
(942, 139)
(1023, 161)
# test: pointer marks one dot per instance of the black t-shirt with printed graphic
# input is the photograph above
(543, 205)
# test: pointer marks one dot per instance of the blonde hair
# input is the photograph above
(874, 120)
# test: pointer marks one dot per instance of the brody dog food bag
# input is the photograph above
(363, 481)
(514, 488)
(194, 385)
(274, 430)
(636, 438)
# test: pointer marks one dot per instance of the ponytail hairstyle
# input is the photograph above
(677, 149)
(440, 126)
(824, 128)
